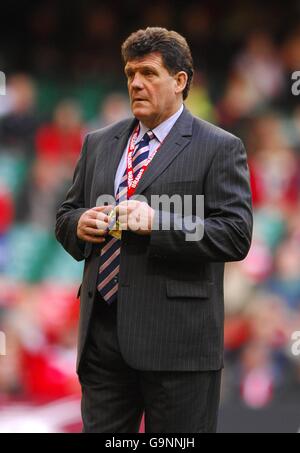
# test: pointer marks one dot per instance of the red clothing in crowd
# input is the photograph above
(55, 144)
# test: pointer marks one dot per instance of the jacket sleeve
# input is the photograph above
(71, 210)
(227, 224)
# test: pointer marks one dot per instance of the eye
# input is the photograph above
(148, 72)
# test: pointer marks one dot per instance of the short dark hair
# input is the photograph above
(174, 49)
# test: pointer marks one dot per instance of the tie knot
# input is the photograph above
(149, 135)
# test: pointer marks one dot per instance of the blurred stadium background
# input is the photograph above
(64, 78)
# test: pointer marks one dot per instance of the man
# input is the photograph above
(151, 321)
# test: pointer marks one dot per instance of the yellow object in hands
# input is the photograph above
(114, 225)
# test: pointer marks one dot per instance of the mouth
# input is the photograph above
(139, 100)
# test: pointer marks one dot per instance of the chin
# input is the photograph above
(140, 112)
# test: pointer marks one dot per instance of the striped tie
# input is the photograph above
(108, 275)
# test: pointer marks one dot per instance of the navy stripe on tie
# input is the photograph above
(108, 273)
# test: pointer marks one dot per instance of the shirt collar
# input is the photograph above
(162, 130)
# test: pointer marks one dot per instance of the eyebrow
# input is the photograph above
(130, 68)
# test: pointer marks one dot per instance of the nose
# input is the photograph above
(136, 81)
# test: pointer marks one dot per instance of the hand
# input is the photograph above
(92, 225)
(136, 216)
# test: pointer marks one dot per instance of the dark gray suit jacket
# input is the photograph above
(170, 297)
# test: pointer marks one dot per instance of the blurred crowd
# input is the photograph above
(242, 83)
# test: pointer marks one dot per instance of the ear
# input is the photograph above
(181, 79)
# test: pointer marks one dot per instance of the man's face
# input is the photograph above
(153, 91)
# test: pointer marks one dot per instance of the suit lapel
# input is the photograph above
(174, 143)
(109, 158)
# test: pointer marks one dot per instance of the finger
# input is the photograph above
(102, 216)
(97, 215)
(94, 232)
(123, 218)
(102, 224)
(93, 223)
(93, 213)
(133, 222)
(125, 209)
(123, 223)
(105, 208)
(94, 240)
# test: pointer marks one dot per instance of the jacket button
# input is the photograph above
(90, 293)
